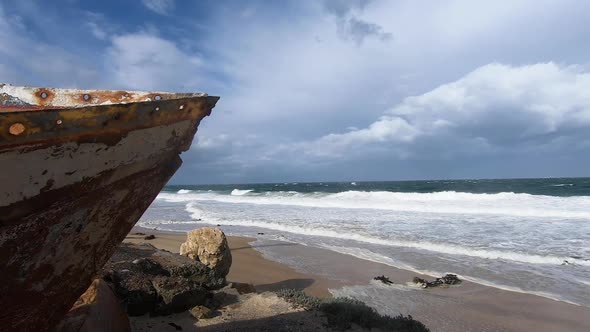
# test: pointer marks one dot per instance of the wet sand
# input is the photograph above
(468, 307)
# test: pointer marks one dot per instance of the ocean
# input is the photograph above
(525, 235)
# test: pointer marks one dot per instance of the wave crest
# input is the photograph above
(240, 192)
(448, 202)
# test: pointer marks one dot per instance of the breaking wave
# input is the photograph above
(319, 230)
(448, 202)
(239, 192)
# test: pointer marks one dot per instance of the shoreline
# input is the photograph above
(248, 265)
(474, 306)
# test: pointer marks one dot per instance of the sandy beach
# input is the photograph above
(467, 307)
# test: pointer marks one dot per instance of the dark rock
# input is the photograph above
(383, 279)
(158, 282)
(178, 294)
(217, 300)
(417, 280)
(243, 288)
(198, 273)
(175, 326)
(451, 279)
(135, 291)
(150, 237)
(448, 279)
(149, 266)
(260, 233)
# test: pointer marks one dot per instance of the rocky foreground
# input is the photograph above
(143, 288)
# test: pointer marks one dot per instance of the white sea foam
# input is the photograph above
(156, 224)
(447, 202)
(239, 192)
(450, 249)
(183, 191)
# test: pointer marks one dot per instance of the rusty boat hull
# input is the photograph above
(78, 169)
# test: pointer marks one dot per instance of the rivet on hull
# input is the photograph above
(16, 129)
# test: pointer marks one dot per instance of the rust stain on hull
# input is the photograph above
(76, 177)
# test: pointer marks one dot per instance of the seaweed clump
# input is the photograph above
(343, 312)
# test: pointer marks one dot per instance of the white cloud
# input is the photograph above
(149, 62)
(496, 107)
(162, 7)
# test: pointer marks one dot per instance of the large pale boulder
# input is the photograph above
(209, 246)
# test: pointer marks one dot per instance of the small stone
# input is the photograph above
(150, 237)
(201, 312)
(243, 288)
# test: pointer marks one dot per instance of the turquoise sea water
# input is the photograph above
(529, 235)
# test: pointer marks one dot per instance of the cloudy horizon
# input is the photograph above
(334, 90)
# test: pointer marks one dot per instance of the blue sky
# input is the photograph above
(334, 90)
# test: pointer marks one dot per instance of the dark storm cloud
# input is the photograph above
(358, 30)
(350, 25)
(342, 7)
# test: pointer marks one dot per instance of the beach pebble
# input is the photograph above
(201, 312)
